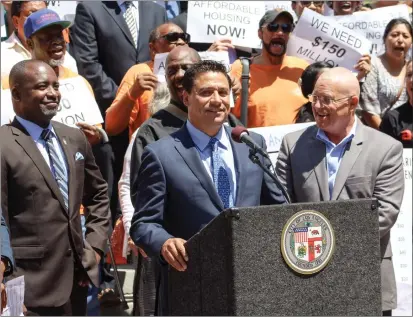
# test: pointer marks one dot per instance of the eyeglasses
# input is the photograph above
(175, 36)
(285, 27)
(308, 3)
(324, 100)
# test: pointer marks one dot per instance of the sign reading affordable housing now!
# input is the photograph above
(317, 38)
(209, 21)
(76, 105)
(371, 24)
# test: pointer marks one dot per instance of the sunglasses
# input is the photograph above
(175, 36)
(286, 28)
(308, 3)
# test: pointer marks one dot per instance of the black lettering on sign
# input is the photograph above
(64, 104)
(73, 119)
(321, 25)
(223, 30)
(53, 3)
(162, 65)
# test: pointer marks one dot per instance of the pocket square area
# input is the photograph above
(79, 156)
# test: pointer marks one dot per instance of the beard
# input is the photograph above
(267, 47)
(56, 62)
(49, 113)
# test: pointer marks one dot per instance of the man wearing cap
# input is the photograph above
(274, 95)
(15, 48)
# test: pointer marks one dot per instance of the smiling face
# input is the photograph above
(37, 97)
(275, 43)
(208, 102)
(48, 45)
(345, 7)
(398, 41)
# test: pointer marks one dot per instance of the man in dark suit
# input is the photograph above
(47, 172)
(189, 177)
(108, 38)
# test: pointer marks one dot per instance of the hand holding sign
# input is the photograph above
(221, 45)
(363, 66)
(144, 81)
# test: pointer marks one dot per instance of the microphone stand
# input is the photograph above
(256, 160)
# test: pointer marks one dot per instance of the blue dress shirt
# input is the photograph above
(35, 131)
(334, 154)
(201, 141)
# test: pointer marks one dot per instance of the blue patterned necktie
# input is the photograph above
(57, 166)
(220, 175)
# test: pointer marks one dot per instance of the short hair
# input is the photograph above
(18, 72)
(393, 23)
(203, 67)
(16, 7)
(310, 75)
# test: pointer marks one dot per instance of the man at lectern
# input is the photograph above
(189, 177)
(339, 158)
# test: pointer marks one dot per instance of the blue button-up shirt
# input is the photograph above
(35, 131)
(201, 141)
(334, 154)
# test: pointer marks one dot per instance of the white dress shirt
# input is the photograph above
(13, 51)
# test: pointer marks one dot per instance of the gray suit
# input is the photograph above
(372, 166)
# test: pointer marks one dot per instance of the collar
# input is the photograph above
(201, 140)
(121, 3)
(323, 137)
(179, 105)
(33, 129)
(12, 41)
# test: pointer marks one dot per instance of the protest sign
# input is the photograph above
(401, 237)
(281, 6)
(237, 20)
(65, 9)
(371, 24)
(76, 105)
(317, 38)
(401, 233)
(159, 66)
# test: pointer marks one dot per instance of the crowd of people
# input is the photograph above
(162, 163)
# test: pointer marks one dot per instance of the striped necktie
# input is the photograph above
(130, 18)
(220, 175)
(57, 166)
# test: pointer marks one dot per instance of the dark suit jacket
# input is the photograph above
(103, 47)
(177, 198)
(46, 238)
(5, 250)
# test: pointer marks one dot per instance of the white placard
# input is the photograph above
(65, 9)
(77, 104)
(371, 24)
(282, 6)
(317, 38)
(401, 233)
(237, 20)
(159, 66)
(401, 242)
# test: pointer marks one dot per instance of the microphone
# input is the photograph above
(241, 135)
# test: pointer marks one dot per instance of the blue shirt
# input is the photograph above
(201, 141)
(35, 131)
(334, 154)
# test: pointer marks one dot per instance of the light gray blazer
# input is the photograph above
(372, 166)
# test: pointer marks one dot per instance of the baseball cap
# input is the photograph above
(271, 15)
(41, 19)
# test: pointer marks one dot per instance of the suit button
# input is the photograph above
(69, 252)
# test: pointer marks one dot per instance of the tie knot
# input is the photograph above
(212, 142)
(127, 4)
(46, 134)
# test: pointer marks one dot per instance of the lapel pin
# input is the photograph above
(64, 141)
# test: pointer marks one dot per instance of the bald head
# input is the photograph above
(183, 52)
(19, 72)
(341, 80)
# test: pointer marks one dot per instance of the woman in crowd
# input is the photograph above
(383, 88)
(398, 123)
(307, 82)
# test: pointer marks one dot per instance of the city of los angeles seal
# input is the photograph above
(307, 242)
